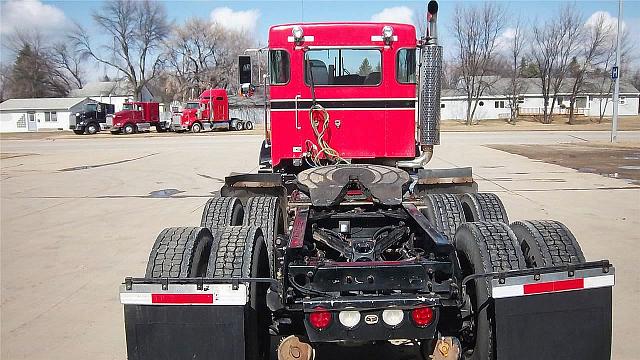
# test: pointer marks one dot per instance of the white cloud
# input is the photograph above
(29, 15)
(504, 40)
(397, 14)
(246, 20)
(608, 20)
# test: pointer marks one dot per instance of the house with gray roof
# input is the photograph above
(594, 99)
(111, 92)
(39, 114)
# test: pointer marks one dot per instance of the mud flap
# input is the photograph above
(176, 332)
(559, 315)
(184, 319)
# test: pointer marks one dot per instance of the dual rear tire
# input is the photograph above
(233, 251)
(477, 225)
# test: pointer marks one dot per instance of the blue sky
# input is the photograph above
(259, 15)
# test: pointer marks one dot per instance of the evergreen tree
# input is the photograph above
(29, 76)
(365, 68)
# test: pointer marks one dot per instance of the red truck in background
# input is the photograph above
(137, 116)
(198, 114)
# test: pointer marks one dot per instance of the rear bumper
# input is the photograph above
(372, 326)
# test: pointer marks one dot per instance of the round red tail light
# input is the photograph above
(422, 316)
(320, 318)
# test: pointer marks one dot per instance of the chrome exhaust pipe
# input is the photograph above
(429, 86)
(419, 162)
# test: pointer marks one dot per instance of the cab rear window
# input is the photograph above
(406, 66)
(279, 67)
(351, 67)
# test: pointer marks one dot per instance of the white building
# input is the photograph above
(494, 104)
(38, 114)
(111, 92)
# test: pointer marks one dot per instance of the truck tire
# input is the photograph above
(196, 128)
(240, 251)
(265, 212)
(222, 211)
(180, 252)
(78, 132)
(483, 207)
(239, 125)
(445, 213)
(129, 129)
(93, 128)
(547, 243)
(484, 247)
(248, 125)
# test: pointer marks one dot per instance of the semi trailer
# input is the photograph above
(209, 112)
(137, 116)
(92, 119)
(348, 237)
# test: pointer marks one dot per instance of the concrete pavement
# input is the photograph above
(77, 215)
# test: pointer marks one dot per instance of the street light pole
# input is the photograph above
(615, 74)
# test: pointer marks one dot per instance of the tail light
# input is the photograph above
(422, 316)
(320, 318)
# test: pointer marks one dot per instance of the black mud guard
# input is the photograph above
(445, 181)
(245, 186)
(176, 332)
(572, 321)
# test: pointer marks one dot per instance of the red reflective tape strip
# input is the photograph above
(181, 298)
(553, 286)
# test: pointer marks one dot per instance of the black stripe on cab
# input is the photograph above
(350, 104)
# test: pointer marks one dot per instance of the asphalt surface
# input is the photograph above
(78, 215)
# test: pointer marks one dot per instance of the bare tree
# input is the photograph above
(594, 43)
(5, 78)
(553, 47)
(34, 72)
(476, 29)
(201, 55)
(515, 50)
(135, 32)
(605, 61)
(68, 62)
(635, 79)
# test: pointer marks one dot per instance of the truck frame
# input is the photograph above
(348, 241)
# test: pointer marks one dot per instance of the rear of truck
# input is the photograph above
(352, 242)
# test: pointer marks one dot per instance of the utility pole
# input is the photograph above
(615, 75)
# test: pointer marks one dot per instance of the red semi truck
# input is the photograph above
(349, 238)
(137, 116)
(198, 116)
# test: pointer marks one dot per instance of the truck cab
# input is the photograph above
(137, 116)
(209, 112)
(92, 118)
(364, 81)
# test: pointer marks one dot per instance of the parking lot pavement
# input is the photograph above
(77, 215)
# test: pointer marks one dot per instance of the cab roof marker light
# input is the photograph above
(298, 34)
(387, 34)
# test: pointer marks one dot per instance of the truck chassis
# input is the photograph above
(287, 263)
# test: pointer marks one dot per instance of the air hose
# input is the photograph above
(323, 146)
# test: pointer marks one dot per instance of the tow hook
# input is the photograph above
(447, 348)
(292, 348)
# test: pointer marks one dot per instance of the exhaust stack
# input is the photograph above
(430, 82)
